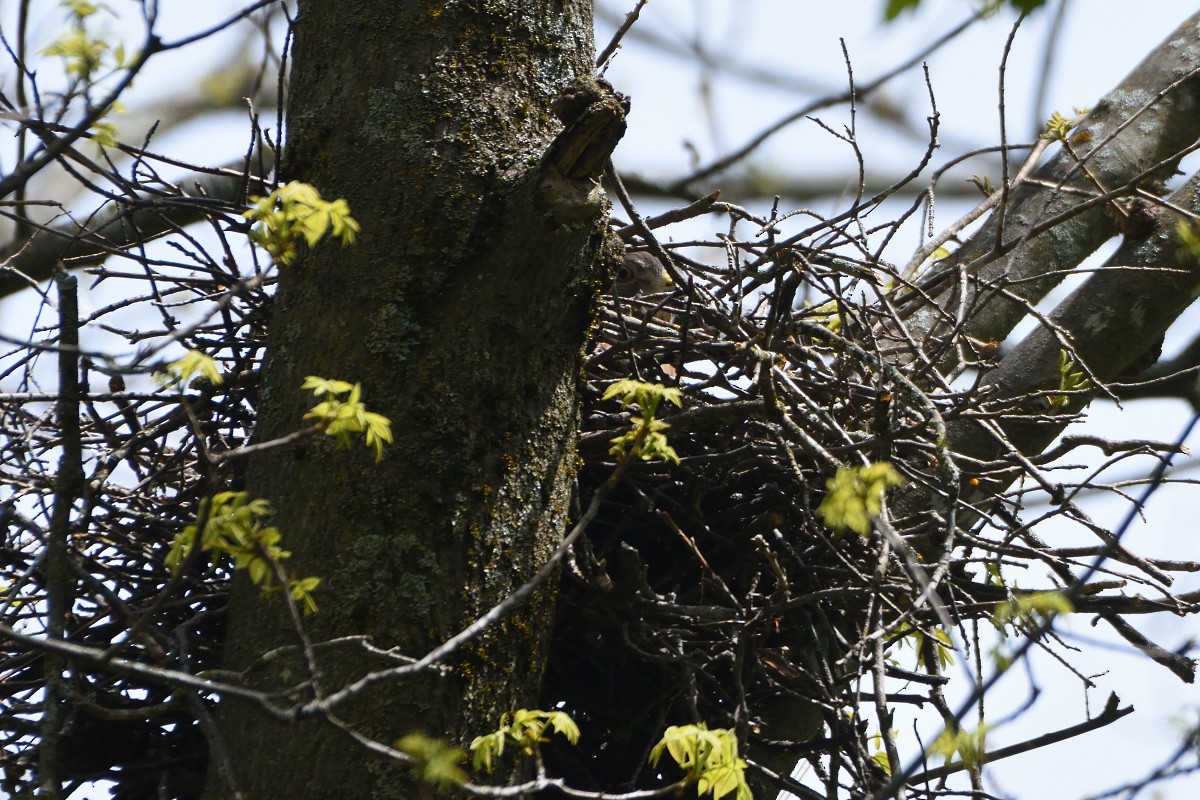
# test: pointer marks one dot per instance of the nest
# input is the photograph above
(709, 590)
(712, 590)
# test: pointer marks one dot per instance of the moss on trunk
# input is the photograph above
(462, 311)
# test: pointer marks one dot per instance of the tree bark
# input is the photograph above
(462, 311)
(1134, 138)
(1137, 133)
(1114, 317)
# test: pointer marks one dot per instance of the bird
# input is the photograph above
(642, 273)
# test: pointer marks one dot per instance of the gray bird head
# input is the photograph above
(642, 273)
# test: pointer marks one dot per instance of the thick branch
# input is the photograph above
(1135, 133)
(1115, 316)
(108, 230)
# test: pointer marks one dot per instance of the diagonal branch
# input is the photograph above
(111, 229)
(1140, 127)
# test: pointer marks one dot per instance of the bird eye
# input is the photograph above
(624, 274)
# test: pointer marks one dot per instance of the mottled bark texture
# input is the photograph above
(1127, 145)
(1132, 139)
(1118, 314)
(462, 311)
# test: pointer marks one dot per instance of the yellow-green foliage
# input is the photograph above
(1189, 242)
(1031, 607)
(968, 745)
(893, 8)
(879, 754)
(105, 133)
(710, 758)
(295, 213)
(646, 438)
(343, 418)
(1057, 127)
(193, 363)
(434, 761)
(1070, 379)
(233, 526)
(525, 729)
(828, 314)
(855, 496)
(83, 53)
(943, 647)
(80, 8)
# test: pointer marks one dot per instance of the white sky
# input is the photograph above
(1103, 40)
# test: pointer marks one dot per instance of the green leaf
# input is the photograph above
(193, 363)
(295, 213)
(1070, 379)
(259, 570)
(710, 758)
(181, 547)
(647, 396)
(1032, 606)
(323, 386)
(81, 8)
(104, 134)
(564, 725)
(525, 728)
(1189, 243)
(301, 591)
(720, 781)
(895, 8)
(1057, 127)
(81, 53)
(968, 745)
(645, 436)
(943, 648)
(854, 496)
(487, 749)
(234, 527)
(434, 761)
(344, 419)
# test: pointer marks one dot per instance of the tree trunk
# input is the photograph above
(462, 310)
